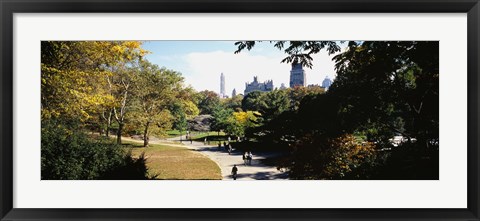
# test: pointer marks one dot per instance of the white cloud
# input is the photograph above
(203, 70)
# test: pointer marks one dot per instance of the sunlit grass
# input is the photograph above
(174, 162)
(174, 133)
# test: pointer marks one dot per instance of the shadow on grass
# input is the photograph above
(130, 169)
(212, 138)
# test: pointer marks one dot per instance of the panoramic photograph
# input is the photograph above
(240, 110)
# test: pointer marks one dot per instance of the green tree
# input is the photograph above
(208, 101)
(299, 52)
(180, 117)
(296, 94)
(382, 88)
(253, 101)
(390, 85)
(234, 103)
(274, 103)
(221, 117)
(155, 90)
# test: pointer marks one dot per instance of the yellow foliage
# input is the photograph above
(74, 76)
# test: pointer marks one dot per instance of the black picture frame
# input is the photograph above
(9, 7)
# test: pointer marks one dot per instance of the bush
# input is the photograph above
(72, 155)
(410, 161)
(323, 158)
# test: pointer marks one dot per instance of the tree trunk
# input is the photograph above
(109, 122)
(108, 119)
(119, 133)
(145, 135)
(107, 132)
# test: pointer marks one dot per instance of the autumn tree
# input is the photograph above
(72, 83)
(239, 122)
(121, 79)
(75, 91)
(344, 157)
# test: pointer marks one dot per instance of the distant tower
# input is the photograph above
(282, 86)
(222, 85)
(234, 93)
(297, 76)
(326, 83)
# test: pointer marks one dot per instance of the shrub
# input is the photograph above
(344, 157)
(72, 155)
(410, 161)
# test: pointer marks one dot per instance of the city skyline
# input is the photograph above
(202, 62)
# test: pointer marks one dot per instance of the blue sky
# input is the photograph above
(202, 62)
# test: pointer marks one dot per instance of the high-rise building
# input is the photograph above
(256, 86)
(234, 93)
(326, 83)
(282, 86)
(222, 85)
(297, 76)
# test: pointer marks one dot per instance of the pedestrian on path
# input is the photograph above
(234, 172)
(249, 158)
(245, 158)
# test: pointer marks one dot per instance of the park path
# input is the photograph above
(255, 171)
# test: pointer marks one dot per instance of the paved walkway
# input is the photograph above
(255, 171)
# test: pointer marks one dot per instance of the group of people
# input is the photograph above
(247, 158)
(206, 141)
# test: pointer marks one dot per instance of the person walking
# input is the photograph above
(244, 157)
(249, 158)
(229, 149)
(234, 172)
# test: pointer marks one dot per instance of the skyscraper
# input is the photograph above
(297, 76)
(222, 85)
(234, 93)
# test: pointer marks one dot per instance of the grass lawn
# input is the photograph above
(211, 136)
(174, 133)
(176, 163)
